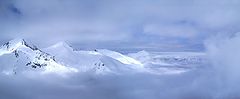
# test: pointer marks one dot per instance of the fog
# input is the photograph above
(165, 25)
(102, 87)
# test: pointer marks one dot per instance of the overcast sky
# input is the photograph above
(161, 24)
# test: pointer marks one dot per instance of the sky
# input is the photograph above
(166, 25)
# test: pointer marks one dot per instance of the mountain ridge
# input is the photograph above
(32, 56)
(61, 57)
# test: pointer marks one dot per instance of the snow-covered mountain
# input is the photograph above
(19, 56)
(61, 58)
(100, 61)
(28, 56)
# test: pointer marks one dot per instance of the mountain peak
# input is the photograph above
(15, 44)
(30, 55)
(61, 45)
(11, 46)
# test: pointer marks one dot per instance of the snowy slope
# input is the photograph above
(84, 61)
(98, 61)
(32, 57)
(143, 56)
(120, 57)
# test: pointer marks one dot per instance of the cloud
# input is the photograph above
(80, 21)
(128, 86)
(223, 53)
(181, 31)
(146, 23)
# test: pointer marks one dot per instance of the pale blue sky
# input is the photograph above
(151, 24)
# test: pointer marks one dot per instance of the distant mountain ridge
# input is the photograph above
(61, 58)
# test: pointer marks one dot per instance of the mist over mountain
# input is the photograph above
(119, 49)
